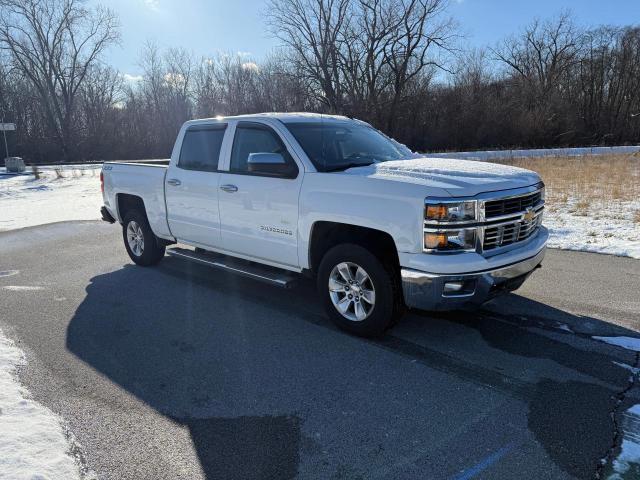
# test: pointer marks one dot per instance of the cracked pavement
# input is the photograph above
(180, 371)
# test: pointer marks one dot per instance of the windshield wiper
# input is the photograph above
(346, 166)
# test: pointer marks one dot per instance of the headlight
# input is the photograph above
(451, 212)
(450, 239)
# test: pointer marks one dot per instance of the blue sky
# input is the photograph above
(208, 26)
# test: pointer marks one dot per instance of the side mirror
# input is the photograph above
(267, 164)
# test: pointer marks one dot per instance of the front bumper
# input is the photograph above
(426, 291)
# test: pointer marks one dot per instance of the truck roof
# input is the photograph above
(285, 117)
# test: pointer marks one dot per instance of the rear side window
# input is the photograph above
(201, 148)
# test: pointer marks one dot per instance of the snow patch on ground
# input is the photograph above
(32, 442)
(615, 233)
(22, 288)
(627, 464)
(630, 343)
(9, 273)
(25, 201)
(626, 366)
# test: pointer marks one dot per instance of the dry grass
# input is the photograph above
(590, 183)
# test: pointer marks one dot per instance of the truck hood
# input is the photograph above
(460, 178)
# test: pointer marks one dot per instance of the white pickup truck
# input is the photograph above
(272, 195)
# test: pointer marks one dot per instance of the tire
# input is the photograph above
(371, 318)
(150, 251)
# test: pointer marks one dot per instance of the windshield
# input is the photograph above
(333, 146)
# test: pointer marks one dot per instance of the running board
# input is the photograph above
(263, 273)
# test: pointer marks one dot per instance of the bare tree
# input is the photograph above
(543, 53)
(363, 55)
(540, 60)
(54, 43)
(313, 30)
(100, 100)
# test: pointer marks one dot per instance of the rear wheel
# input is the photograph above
(357, 291)
(142, 245)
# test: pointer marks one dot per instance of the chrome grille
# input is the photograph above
(509, 205)
(505, 234)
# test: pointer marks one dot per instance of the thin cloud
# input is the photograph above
(152, 4)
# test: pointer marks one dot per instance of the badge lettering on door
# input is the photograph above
(282, 231)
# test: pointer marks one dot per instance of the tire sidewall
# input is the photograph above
(152, 252)
(381, 317)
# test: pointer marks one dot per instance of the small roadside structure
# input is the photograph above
(14, 164)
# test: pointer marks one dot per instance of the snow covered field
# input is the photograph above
(69, 194)
(32, 444)
(593, 202)
(595, 233)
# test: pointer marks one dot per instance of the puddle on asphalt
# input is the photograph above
(626, 466)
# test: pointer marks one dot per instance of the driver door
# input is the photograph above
(259, 212)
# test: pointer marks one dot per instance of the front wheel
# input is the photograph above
(357, 291)
(141, 243)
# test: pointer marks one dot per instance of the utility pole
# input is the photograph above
(4, 134)
(4, 131)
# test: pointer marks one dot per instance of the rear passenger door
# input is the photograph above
(191, 186)
(259, 212)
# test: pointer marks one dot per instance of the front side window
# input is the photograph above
(258, 138)
(333, 146)
(201, 148)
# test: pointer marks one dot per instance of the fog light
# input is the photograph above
(453, 287)
(459, 288)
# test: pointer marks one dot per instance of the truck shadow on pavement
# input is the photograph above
(268, 388)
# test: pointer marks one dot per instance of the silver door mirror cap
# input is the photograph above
(265, 159)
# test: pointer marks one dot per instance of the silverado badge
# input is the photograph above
(529, 215)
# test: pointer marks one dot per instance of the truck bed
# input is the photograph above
(140, 178)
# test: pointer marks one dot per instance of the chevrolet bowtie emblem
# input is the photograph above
(529, 215)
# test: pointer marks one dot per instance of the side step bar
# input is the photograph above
(263, 273)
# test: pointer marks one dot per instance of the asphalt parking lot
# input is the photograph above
(180, 371)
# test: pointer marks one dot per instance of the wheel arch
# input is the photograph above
(326, 235)
(126, 202)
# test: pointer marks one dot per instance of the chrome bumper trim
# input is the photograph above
(425, 291)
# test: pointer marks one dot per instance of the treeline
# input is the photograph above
(398, 64)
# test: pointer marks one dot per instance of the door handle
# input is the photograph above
(174, 182)
(229, 188)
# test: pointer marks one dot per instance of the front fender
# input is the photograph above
(392, 207)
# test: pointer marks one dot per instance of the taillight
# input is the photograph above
(101, 181)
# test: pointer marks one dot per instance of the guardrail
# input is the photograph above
(86, 163)
(537, 152)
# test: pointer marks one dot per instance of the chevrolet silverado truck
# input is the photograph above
(270, 196)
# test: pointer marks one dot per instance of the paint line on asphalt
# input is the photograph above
(484, 463)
